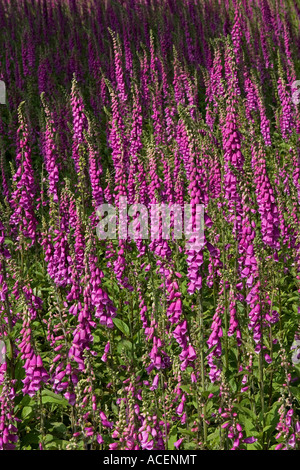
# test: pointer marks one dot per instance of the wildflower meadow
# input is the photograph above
(126, 324)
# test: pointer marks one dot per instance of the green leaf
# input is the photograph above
(50, 397)
(27, 411)
(58, 444)
(31, 438)
(121, 325)
(296, 392)
(124, 344)
(186, 432)
(214, 435)
(8, 350)
(58, 428)
(186, 388)
(189, 445)
(172, 438)
(266, 428)
(292, 299)
(246, 411)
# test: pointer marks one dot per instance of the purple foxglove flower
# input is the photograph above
(178, 443)
(250, 440)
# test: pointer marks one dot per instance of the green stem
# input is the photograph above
(200, 309)
(42, 430)
(10, 325)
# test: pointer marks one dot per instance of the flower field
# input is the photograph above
(149, 343)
